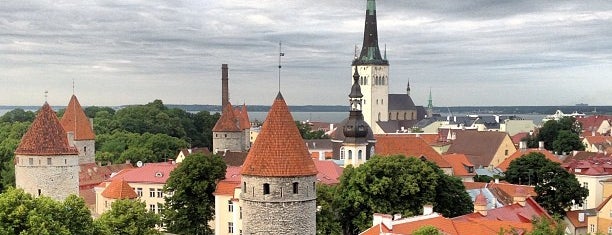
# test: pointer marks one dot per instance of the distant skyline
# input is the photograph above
(470, 53)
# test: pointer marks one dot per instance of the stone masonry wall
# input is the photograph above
(57, 180)
(281, 211)
(87, 150)
(232, 141)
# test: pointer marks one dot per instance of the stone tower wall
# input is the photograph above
(247, 138)
(281, 211)
(87, 150)
(53, 176)
(232, 141)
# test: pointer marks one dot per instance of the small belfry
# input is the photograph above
(45, 163)
(279, 179)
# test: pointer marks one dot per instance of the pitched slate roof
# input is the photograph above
(228, 121)
(479, 146)
(506, 163)
(410, 146)
(75, 120)
(119, 189)
(400, 102)
(46, 136)
(393, 126)
(279, 150)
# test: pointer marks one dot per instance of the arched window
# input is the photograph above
(295, 187)
(378, 116)
(244, 187)
(382, 101)
(376, 101)
(365, 81)
(359, 155)
(342, 153)
(350, 155)
(84, 149)
(266, 189)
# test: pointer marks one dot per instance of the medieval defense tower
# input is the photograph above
(278, 179)
(374, 72)
(80, 131)
(232, 130)
(45, 163)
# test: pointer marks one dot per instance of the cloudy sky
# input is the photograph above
(472, 52)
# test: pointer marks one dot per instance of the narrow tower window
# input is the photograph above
(350, 154)
(295, 187)
(359, 153)
(266, 189)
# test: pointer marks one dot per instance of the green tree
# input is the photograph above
(307, 133)
(18, 115)
(544, 226)
(427, 230)
(567, 141)
(551, 130)
(392, 185)
(192, 184)
(548, 177)
(327, 222)
(129, 217)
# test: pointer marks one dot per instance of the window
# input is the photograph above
(39, 192)
(506, 152)
(65, 161)
(350, 155)
(592, 228)
(160, 207)
(225, 135)
(84, 149)
(295, 187)
(230, 227)
(609, 230)
(48, 161)
(266, 189)
(160, 193)
(105, 204)
(151, 192)
(359, 153)
(152, 208)
(342, 153)
(139, 192)
(240, 208)
(31, 160)
(244, 187)
(230, 206)
(585, 185)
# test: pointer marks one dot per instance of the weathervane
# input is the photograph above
(280, 54)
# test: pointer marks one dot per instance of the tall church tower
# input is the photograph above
(374, 72)
(356, 147)
(80, 131)
(278, 179)
(45, 164)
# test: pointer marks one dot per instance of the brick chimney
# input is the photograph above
(224, 86)
(480, 204)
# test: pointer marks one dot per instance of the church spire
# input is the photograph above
(430, 105)
(370, 52)
(408, 87)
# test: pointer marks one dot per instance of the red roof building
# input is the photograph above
(411, 146)
(279, 150)
(228, 122)
(462, 167)
(74, 120)
(119, 189)
(521, 152)
(46, 136)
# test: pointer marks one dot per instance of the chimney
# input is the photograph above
(480, 204)
(541, 145)
(523, 145)
(382, 219)
(224, 86)
(520, 196)
(581, 217)
(427, 209)
(496, 180)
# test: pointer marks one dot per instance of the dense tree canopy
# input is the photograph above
(192, 184)
(564, 132)
(392, 185)
(547, 176)
(128, 217)
(427, 230)
(11, 132)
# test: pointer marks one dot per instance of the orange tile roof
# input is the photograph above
(152, 173)
(506, 163)
(75, 120)
(410, 146)
(279, 150)
(598, 139)
(226, 187)
(459, 163)
(90, 174)
(572, 216)
(119, 189)
(245, 122)
(227, 122)
(444, 224)
(45, 137)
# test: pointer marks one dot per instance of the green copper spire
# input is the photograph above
(430, 104)
(370, 52)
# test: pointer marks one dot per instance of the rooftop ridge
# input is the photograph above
(76, 121)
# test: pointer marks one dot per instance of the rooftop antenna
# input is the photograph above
(46, 95)
(280, 54)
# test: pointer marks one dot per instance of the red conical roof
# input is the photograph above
(245, 122)
(279, 150)
(75, 120)
(46, 136)
(227, 122)
(119, 189)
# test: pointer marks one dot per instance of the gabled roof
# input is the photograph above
(592, 123)
(572, 216)
(228, 121)
(479, 146)
(516, 139)
(514, 213)
(226, 187)
(279, 150)
(410, 146)
(521, 152)
(46, 136)
(233, 158)
(90, 174)
(598, 139)
(460, 164)
(119, 189)
(75, 121)
(400, 102)
(151, 173)
(329, 172)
